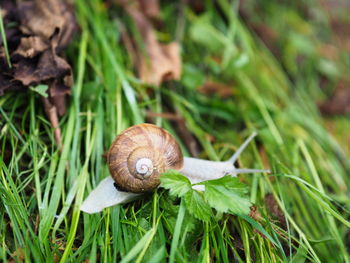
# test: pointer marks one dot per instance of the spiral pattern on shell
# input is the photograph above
(140, 154)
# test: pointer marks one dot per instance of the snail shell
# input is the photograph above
(140, 154)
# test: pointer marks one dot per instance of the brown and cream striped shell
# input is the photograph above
(140, 154)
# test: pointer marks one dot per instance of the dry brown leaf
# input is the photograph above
(158, 62)
(52, 20)
(31, 46)
(53, 24)
(162, 63)
(45, 28)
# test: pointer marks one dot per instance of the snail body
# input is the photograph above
(138, 157)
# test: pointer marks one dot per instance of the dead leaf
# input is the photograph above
(31, 46)
(53, 24)
(52, 20)
(161, 64)
(339, 102)
(44, 28)
(157, 62)
(215, 88)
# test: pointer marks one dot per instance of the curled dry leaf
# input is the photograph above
(157, 62)
(43, 29)
(163, 63)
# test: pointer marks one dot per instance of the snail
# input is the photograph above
(138, 157)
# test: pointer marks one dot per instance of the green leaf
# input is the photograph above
(177, 184)
(197, 206)
(227, 194)
(41, 89)
(229, 182)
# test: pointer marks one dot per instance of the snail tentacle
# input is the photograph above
(241, 148)
(198, 170)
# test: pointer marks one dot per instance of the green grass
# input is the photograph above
(42, 188)
(4, 41)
